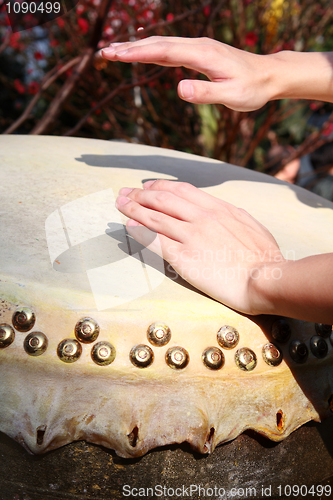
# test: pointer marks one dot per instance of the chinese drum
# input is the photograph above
(101, 341)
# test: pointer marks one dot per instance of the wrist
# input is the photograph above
(265, 287)
(300, 75)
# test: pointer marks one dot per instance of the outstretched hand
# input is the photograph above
(239, 79)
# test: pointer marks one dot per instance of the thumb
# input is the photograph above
(200, 91)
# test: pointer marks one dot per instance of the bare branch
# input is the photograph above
(64, 93)
(110, 96)
(49, 78)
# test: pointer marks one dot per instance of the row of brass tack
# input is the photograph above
(103, 353)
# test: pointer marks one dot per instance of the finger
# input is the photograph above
(185, 191)
(227, 91)
(153, 220)
(165, 52)
(206, 201)
(157, 243)
(162, 39)
(165, 202)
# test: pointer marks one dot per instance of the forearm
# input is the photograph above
(299, 289)
(301, 75)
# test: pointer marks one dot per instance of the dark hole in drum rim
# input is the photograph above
(210, 435)
(40, 432)
(330, 402)
(279, 420)
(133, 436)
(209, 439)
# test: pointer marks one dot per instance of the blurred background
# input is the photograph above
(52, 83)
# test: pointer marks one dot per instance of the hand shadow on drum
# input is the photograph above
(200, 173)
(113, 246)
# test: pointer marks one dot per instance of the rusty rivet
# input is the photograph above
(271, 354)
(103, 353)
(23, 319)
(177, 357)
(141, 355)
(281, 330)
(298, 351)
(245, 359)
(35, 343)
(7, 335)
(86, 330)
(213, 358)
(228, 337)
(69, 350)
(318, 346)
(323, 330)
(159, 334)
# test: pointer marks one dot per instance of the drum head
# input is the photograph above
(100, 340)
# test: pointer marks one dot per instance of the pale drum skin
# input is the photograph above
(47, 402)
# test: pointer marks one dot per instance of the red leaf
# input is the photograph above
(18, 86)
(83, 25)
(251, 39)
(33, 88)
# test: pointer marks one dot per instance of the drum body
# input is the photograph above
(107, 343)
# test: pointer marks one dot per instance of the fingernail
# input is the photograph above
(132, 222)
(108, 51)
(125, 191)
(186, 89)
(147, 184)
(121, 200)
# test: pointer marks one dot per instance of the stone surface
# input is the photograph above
(82, 471)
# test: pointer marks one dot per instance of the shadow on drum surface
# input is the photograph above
(85, 471)
(182, 170)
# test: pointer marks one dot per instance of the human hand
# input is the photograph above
(218, 248)
(240, 80)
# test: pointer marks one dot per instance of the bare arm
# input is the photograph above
(187, 220)
(226, 253)
(241, 80)
(299, 289)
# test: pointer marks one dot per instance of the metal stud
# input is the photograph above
(271, 354)
(323, 330)
(213, 358)
(35, 343)
(298, 351)
(228, 337)
(103, 353)
(141, 355)
(177, 357)
(7, 335)
(281, 330)
(86, 330)
(318, 346)
(69, 350)
(159, 334)
(245, 359)
(23, 319)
